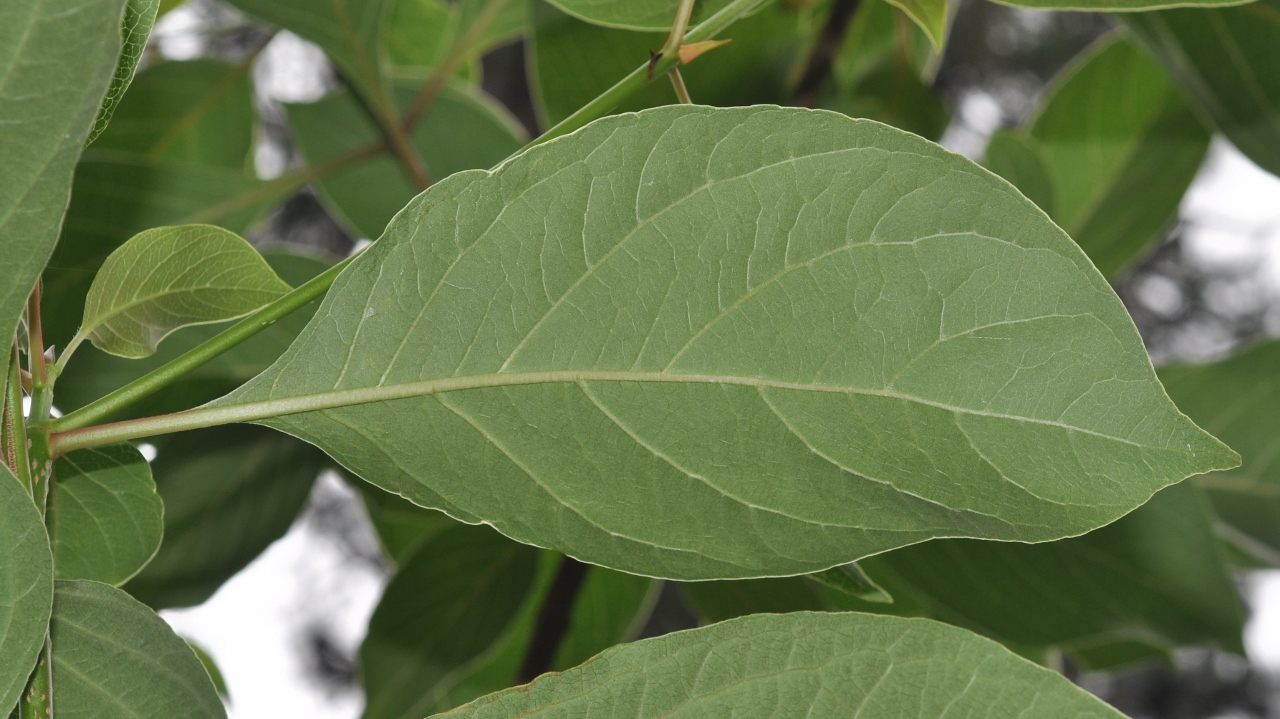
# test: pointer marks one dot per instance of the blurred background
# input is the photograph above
(285, 631)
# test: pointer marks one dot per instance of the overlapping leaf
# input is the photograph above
(1109, 155)
(139, 16)
(26, 587)
(422, 32)
(171, 277)
(56, 61)
(802, 665)
(656, 15)
(116, 659)
(1224, 59)
(105, 518)
(701, 343)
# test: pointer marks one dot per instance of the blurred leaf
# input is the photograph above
(463, 130)
(92, 373)
(1224, 59)
(877, 34)
(113, 658)
(930, 15)
(1239, 398)
(801, 665)
(1117, 145)
(116, 196)
(105, 518)
(1122, 8)
(198, 112)
(210, 666)
(617, 373)
(445, 607)
(574, 61)
(57, 58)
(401, 525)
(349, 31)
(1119, 654)
(655, 15)
(851, 580)
(172, 277)
(422, 32)
(26, 587)
(894, 95)
(139, 16)
(228, 492)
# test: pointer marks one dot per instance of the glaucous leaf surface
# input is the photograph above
(196, 112)
(116, 196)
(116, 659)
(1114, 147)
(720, 343)
(56, 61)
(1239, 398)
(139, 16)
(229, 492)
(1155, 575)
(445, 607)
(349, 31)
(930, 15)
(575, 61)
(655, 15)
(801, 665)
(1225, 60)
(171, 277)
(105, 518)
(463, 130)
(26, 587)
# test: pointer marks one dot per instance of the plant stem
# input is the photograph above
(553, 620)
(404, 151)
(679, 27)
(436, 82)
(823, 54)
(633, 82)
(172, 371)
(677, 82)
(37, 698)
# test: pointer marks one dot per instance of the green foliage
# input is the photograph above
(116, 659)
(654, 15)
(930, 15)
(793, 666)
(580, 381)
(1108, 155)
(139, 16)
(164, 279)
(105, 518)
(26, 587)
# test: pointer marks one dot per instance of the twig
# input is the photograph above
(677, 82)
(553, 620)
(436, 82)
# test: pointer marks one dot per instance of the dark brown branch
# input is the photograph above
(822, 56)
(553, 620)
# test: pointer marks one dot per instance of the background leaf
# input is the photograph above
(657, 15)
(105, 518)
(1110, 153)
(930, 15)
(26, 587)
(611, 308)
(801, 665)
(56, 61)
(116, 659)
(139, 16)
(463, 130)
(1224, 59)
(172, 277)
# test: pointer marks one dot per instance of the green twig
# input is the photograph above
(677, 83)
(679, 28)
(193, 359)
(37, 698)
(635, 81)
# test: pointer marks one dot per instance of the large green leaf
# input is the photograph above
(637, 14)
(172, 277)
(229, 492)
(105, 518)
(802, 665)
(117, 195)
(575, 61)
(445, 607)
(139, 16)
(1239, 398)
(1109, 154)
(197, 112)
(1155, 576)
(56, 60)
(350, 31)
(26, 587)
(463, 130)
(704, 343)
(1225, 60)
(93, 373)
(113, 658)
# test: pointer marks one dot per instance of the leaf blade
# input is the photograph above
(26, 587)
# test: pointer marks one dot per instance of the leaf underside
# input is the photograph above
(26, 587)
(705, 343)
